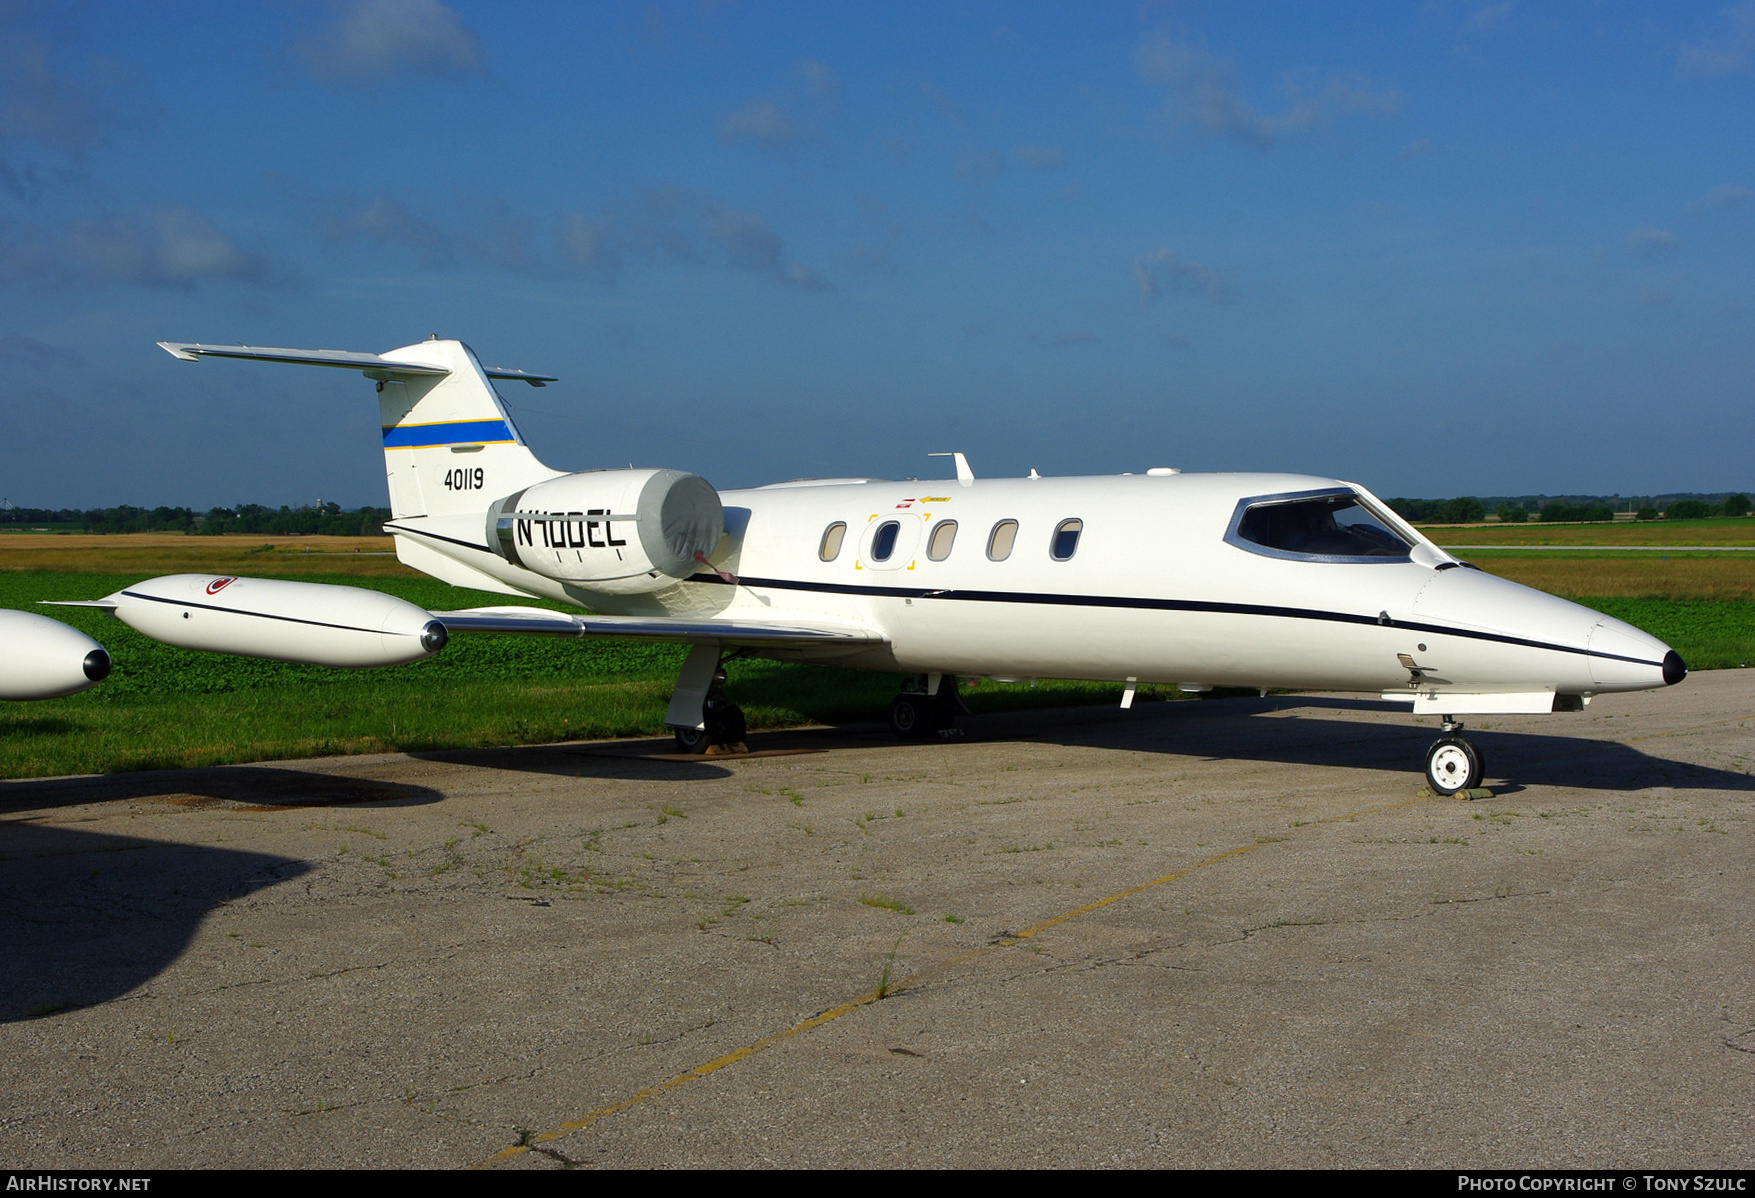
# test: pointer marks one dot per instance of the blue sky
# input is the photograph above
(1441, 248)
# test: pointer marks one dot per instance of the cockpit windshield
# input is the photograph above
(1335, 524)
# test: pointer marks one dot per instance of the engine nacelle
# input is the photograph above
(617, 531)
(42, 658)
(313, 623)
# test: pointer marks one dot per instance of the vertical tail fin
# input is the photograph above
(450, 446)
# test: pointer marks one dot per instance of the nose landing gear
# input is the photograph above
(1453, 764)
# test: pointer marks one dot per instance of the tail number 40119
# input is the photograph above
(463, 480)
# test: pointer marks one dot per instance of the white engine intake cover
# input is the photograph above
(42, 658)
(307, 622)
(616, 531)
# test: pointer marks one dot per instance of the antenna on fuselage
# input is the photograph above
(965, 476)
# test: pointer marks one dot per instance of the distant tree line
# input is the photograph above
(327, 519)
(1467, 509)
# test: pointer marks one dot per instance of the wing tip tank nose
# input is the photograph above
(1675, 669)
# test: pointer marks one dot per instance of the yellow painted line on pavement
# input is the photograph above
(847, 1008)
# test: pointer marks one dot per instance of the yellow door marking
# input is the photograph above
(847, 1008)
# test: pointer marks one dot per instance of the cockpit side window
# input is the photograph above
(1322, 526)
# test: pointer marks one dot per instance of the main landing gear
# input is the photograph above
(700, 715)
(1453, 764)
(928, 706)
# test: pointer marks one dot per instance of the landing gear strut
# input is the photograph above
(924, 709)
(1453, 763)
(722, 724)
(700, 714)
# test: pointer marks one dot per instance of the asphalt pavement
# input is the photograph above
(1205, 933)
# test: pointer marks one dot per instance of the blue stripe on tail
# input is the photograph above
(455, 432)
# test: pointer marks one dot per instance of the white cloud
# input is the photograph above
(666, 223)
(16, 350)
(370, 41)
(1161, 270)
(1041, 158)
(41, 99)
(781, 121)
(693, 226)
(385, 220)
(822, 81)
(1728, 195)
(1726, 54)
(1648, 242)
(588, 243)
(174, 248)
(980, 166)
(762, 121)
(1065, 339)
(1490, 18)
(1200, 92)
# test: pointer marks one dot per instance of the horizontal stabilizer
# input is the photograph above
(374, 365)
(536, 621)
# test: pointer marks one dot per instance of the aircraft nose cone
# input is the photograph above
(1675, 669)
(97, 665)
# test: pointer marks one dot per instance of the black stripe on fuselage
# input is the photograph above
(260, 615)
(1143, 603)
(417, 532)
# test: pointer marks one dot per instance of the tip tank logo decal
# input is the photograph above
(219, 584)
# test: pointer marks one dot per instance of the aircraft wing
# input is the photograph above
(193, 351)
(537, 621)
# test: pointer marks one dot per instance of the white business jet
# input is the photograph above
(1197, 580)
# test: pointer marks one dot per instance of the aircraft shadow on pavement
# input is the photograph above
(85, 917)
(1227, 730)
(1224, 729)
(246, 787)
(632, 761)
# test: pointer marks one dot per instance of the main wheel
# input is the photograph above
(692, 740)
(913, 716)
(1453, 764)
(725, 722)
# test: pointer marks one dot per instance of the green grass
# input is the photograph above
(164, 707)
(1717, 530)
(1710, 635)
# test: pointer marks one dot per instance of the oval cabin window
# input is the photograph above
(883, 542)
(999, 541)
(832, 538)
(938, 547)
(1066, 540)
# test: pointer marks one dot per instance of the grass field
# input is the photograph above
(1721, 531)
(165, 707)
(148, 554)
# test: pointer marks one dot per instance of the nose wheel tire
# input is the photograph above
(1453, 764)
